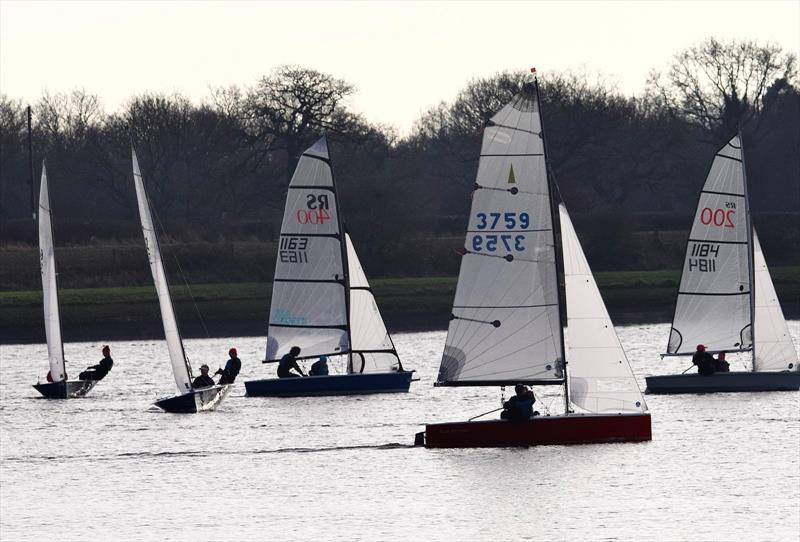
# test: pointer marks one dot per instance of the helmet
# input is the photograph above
(232, 351)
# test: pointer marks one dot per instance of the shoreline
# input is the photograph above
(242, 309)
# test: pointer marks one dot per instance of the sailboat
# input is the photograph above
(321, 299)
(505, 326)
(726, 300)
(60, 387)
(188, 399)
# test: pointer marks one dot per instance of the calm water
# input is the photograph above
(720, 467)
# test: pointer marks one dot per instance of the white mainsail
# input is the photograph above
(308, 307)
(774, 350)
(505, 325)
(372, 347)
(714, 304)
(177, 356)
(600, 377)
(47, 261)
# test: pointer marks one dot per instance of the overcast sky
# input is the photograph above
(403, 57)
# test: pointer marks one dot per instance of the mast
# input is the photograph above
(750, 255)
(30, 166)
(559, 264)
(345, 263)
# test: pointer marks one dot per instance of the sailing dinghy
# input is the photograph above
(189, 399)
(60, 387)
(505, 328)
(726, 300)
(321, 299)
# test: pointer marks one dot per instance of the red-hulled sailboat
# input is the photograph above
(505, 327)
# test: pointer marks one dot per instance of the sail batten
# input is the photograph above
(181, 369)
(505, 318)
(47, 261)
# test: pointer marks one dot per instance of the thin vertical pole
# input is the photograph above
(30, 165)
(750, 267)
(559, 273)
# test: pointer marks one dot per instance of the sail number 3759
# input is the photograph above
(491, 242)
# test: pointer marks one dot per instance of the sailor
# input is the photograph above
(320, 367)
(231, 370)
(720, 365)
(203, 381)
(703, 360)
(289, 362)
(520, 406)
(99, 371)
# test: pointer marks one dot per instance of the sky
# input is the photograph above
(403, 57)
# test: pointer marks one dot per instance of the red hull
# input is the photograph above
(571, 429)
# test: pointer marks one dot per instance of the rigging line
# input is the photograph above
(180, 272)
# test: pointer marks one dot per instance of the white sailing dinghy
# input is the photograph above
(189, 399)
(321, 300)
(505, 328)
(726, 300)
(60, 387)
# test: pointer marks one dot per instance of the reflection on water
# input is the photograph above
(109, 466)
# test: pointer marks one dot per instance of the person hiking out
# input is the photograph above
(231, 370)
(99, 371)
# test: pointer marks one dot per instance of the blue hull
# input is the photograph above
(723, 382)
(355, 384)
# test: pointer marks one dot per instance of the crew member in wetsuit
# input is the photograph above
(720, 365)
(703, 360)
(231, 370)
(203, 381)
(289, 362)
(320, 367)
(520, 406)
(99, 371)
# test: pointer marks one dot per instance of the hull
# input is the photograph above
(540, 430)
(194, 401)
(355, 384)
(69, 389)
(723, 382)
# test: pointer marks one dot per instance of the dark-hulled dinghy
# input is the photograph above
(726, 300)
(505, 327)
(190, 399)
(321, 299)
(60, 387)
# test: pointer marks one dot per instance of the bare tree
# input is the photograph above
(291, 107)
(720, 85)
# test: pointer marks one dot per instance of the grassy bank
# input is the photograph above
(242, 308)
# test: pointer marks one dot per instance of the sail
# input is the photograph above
(505, 325)
(372, 348)
(47, 261)
(177, 356)
(774, 350)
(600, 377)
(309, 307)
(714, 299)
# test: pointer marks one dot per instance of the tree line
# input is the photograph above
(219, 170)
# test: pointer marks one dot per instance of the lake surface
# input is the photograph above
(108, 467)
